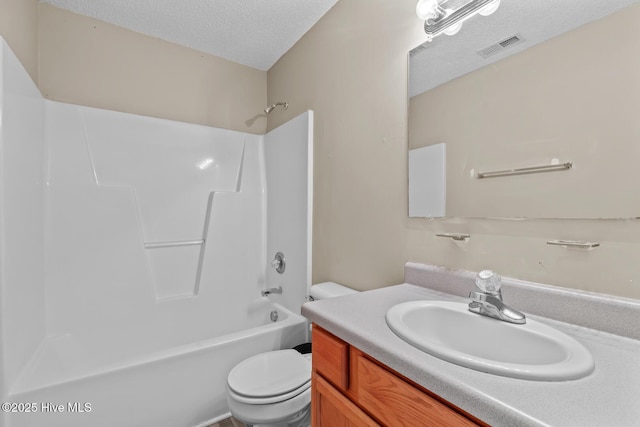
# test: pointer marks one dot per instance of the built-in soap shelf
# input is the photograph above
(525, 170)
(156, 245)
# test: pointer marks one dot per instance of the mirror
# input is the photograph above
(535, 84)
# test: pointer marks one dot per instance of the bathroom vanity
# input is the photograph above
(365, 375)
(346, 379)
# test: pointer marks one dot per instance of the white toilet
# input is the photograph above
(273, 389)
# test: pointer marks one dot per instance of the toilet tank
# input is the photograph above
(328, 290)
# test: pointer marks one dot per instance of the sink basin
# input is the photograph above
(449, 331)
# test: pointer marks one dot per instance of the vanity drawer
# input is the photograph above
(330, 358)
(395, 402)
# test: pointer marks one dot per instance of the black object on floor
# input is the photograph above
(304, 348)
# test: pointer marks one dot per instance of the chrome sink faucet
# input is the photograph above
(488, 301)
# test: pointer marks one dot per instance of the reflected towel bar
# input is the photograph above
(454, 236)
(172, 244)
(573, 244)
(522, 171)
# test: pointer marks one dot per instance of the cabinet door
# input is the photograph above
(330, 408)
(395, 402)
(331, 358)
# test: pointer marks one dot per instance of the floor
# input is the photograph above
(229, 422)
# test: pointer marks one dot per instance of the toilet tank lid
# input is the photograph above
(329, 290)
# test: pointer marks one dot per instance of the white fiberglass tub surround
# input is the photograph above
(133, 253)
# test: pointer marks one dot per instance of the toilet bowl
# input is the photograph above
(273, 389)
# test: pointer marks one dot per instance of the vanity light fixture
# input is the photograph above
(447, 16)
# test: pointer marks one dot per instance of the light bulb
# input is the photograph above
(453, 29)
(426, 9)
(490, 8)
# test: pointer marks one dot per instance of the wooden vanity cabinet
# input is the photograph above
(350, 388)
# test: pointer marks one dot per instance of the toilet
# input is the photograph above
(273, 389)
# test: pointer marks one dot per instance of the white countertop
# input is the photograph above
(610, 396)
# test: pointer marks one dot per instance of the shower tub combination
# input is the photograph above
(179, 386)
(133, 252)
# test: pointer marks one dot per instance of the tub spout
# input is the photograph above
(270, 291)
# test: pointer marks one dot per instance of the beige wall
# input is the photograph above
(84, 61)
(89, 62)
(573, 98)
(351, 70)
(19, 28)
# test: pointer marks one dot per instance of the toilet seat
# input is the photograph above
(270, 377)
(270, 399)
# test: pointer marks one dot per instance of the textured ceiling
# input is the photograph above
(251, 32)
(535, 21)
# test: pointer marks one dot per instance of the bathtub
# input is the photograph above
(183, 386)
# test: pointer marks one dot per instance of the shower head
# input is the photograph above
(270, 108)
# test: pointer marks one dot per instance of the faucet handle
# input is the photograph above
(279, 263)
(489, 282)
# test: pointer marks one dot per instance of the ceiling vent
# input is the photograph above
(500, 46)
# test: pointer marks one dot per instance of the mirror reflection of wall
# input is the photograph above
(427, 181)
(573, 98)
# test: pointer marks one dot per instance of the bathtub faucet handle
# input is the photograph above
(279, 263)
